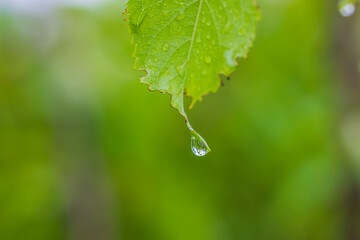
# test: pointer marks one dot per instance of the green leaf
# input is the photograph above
(184, 45)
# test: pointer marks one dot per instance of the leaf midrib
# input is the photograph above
(192, 41)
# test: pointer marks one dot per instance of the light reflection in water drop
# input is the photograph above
(347, 10)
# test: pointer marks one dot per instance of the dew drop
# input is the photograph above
(347, 10)
(180, 16)
(165, 47)
(207, 59)
(180, 69)
(227, 28)
(242, 30)
(198, 145)
(152, 70)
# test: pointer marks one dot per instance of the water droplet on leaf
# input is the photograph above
(165, 47)
(152, 70)
(227, 28)
(181, 70)
(198, 145)
(242, 30)
(207, 59)
(180, 16)
(347, 10)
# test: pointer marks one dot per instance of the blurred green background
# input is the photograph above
(86, 152)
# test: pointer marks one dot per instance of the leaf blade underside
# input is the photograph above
(184, 46)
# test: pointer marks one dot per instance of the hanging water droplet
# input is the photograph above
(347, 10)
(165, 47)
(207, 59)
(198, 145)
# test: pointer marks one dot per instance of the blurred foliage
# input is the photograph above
(87, 152)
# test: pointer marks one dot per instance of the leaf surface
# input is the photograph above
(184, 45)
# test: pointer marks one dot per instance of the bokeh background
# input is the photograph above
(88, 153)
